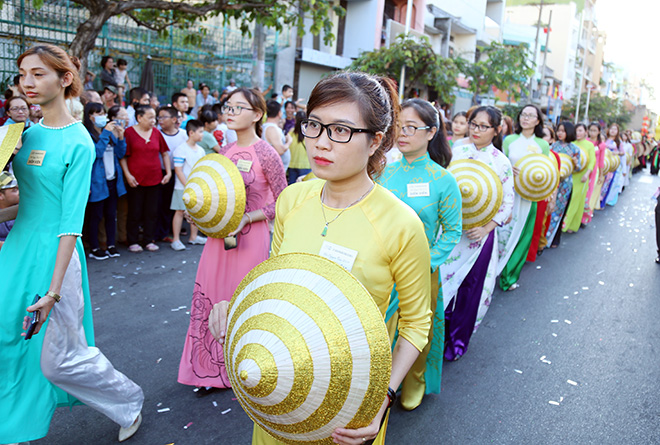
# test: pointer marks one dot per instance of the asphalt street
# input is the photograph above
(568, 358)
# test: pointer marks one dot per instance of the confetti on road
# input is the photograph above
(554, 321)
(565, 297)
(110, 287)
(538, 267)
(552, 402)
(226, 411)
(600, 272)
(554, 335)
(183, 262)
(112, 294)
(571, 382)
(215, 403)
(96, 309)
(188, 425)
(585, 288)
(602, 283)
(631, 285)
(163, 410)
(159, 360)
(118, 277)
(542, 358)
(160, 404)
(518, 371)
(568, 322)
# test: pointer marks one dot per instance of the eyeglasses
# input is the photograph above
(235, 111)
(336, 132)
(19, 109)
(410, 130)
(528, 116)
(162, 118)
(481, 127)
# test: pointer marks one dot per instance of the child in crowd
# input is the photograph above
(121, 74)
(185, 157)
(209, 119)
(8, 198)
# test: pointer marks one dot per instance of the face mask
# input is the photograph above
(101, 121)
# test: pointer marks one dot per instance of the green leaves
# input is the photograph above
(600, 107)
(423, 66)
(505, 67)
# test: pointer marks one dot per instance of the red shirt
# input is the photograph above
(142, 158)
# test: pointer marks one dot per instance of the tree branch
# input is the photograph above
(157, 28)
(198, 9)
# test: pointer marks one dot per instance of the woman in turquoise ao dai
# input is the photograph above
(420, 180)
(43, 255)
(514, 238)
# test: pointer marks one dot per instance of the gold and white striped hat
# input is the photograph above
(306, 349)
(215, 195)
(481, 190)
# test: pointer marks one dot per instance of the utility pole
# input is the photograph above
(536, 48)
(402, 83)
(545, 53)
(584, 64)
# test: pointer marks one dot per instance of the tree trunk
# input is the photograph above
(86, 35)
(259, 48)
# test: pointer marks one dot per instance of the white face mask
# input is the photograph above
(101, 121)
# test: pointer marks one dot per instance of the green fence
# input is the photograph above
(224, 53)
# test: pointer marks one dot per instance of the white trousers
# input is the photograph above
(81, 370)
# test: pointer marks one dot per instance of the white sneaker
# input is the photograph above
(177, 245)
(127, 433)
(201, 240)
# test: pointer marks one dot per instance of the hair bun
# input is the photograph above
(76, 62)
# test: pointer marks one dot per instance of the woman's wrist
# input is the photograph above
(249, 218)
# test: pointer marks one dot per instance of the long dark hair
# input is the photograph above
(599, 137)
(538, 130)
(297, 130)
(617, 139)
(92, 107)
(377, 100)
(494, 119)
(438, 147)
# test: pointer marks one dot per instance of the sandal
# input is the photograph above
(135, 248)
(151, 247)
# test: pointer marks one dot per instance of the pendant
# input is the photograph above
(325, 231)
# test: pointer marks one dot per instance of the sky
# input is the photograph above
(632, 32)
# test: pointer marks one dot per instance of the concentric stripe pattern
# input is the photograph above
(584, 159)
(215, 195)
(567, 166)
(481, 190)
(538, 177)
(306, 349)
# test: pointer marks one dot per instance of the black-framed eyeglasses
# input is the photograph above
(481, 127)
(235, 111)
(162, 118)
(410, 130)
(19, 109)
(336, 132)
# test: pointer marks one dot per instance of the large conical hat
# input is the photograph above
(9, 137)
(629, 158)
(607, 164)
(584, 159)
(481, 190)
(616, 161)
(566, 165)
(538, 177)
(306, 349)
(215, 195)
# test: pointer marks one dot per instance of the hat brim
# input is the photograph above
(306, 349)
(9, 137)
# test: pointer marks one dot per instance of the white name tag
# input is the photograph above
(418, 189)
(244, 165)
(343, 256)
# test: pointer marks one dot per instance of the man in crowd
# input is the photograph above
(191, 94)
(180, 102)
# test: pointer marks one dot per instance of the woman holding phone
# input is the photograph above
(44, 255)
(107, 179)
(351, 123)
(224, 263)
